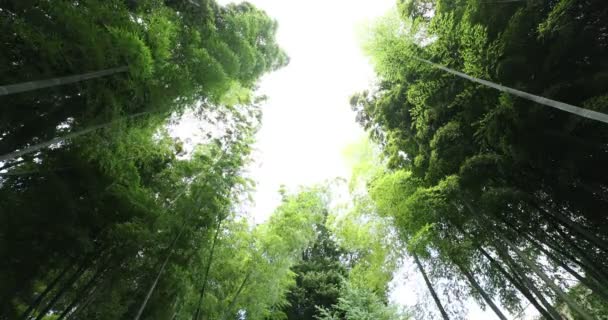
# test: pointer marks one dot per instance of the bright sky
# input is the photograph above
(307, 121)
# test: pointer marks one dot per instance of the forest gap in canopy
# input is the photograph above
(310, 160)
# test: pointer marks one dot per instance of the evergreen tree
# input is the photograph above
(319, 278)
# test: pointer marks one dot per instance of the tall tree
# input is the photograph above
(470, 168)
(319, 278)
(121, 190)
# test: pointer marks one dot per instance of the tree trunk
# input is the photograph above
(207, 269)
(523, 277)
(430, 287)
(162, 268)
(69, 283)
(46, 291)
(518, 284)
(176, 308)
(31, 172)
(194, 3)
(481, 291)
(40, 84)
(584, 263)
(582, 253)
(585, 281)
(588, 267)
(526, 233)
(85, 304)
(565, 221)
(586, 234)
(236, 295)
(575, 307)
(175, 314)
(90, 286)
(42, 145)
(100, 252)
(6, 166)
(582, 112)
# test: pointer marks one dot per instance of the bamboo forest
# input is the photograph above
(131, 132)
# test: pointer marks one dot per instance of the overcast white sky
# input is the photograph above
(307, 121)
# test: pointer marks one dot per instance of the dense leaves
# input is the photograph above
(319, 278)
(498, 192)
(93, 224)
(107, 212)
(345, 272)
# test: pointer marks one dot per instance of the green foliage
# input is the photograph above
(500, 198)
(351, 261)
(596, 305)
(469, 168)
(360, 303)
(87, 223)
(319, 277)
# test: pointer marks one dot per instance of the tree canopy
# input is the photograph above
(483, 187)
(113, 217)
(107, 213)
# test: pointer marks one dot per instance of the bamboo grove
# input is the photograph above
(104, 215)
(503, 198)
(107, 213)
